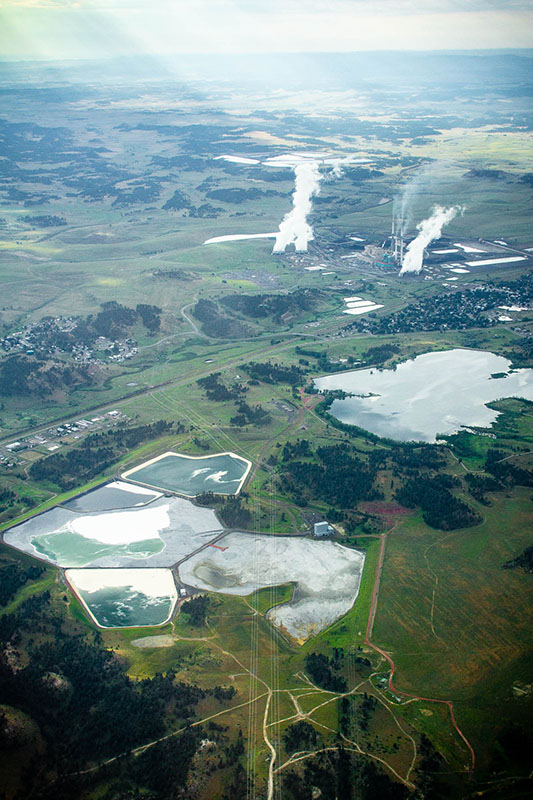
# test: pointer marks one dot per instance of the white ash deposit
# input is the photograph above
(326, 576)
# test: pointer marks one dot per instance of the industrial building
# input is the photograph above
(323, 529)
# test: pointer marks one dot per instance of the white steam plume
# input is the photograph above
(402, 207)
(336, 167)
(294, 229)
(429, 229)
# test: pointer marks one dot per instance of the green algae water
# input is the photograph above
(223, 473)
(123, 598)
(124, 606)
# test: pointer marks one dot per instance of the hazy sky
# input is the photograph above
(95, 28)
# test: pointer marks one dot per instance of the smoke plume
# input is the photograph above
(402, 208)
(429, 229)
(294, 229)
(337, 167)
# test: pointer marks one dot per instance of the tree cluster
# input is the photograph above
(341, 479)
(440, 508)
(115, 318)
(234, 513)
(505, 471)
(68, 470)
(216, 324)
(171, 274)
(96, 453)
(25, 375)
(238, 195)
(478, 485)
(428, 456)
(299, 736)
(298, 449)
(340, 774)
(378, 354)
(13, 577)
(250, 415)
(177, 202)
(215, 390)
(274, 373)
(44, 220)
(259, 306)
(523, 561)
(366, 709)
(163, 769)
(7, 496)
(196, 609)
(324, 672)
(72, 683)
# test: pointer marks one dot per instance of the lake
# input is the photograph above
(432, 394)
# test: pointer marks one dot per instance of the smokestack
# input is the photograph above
(397, 248)
(429, 230)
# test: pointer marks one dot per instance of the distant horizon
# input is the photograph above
(271, 54)
(82, 29)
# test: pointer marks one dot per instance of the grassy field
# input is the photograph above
(265, 599)
(456, 623)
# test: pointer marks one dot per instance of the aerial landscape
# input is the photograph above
(266, 377)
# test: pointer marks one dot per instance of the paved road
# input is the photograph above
(263, 349)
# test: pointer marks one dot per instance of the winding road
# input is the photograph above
(387, 657)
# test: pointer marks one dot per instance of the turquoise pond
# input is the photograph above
(122, 598)
(67, 547)
(125, 607)
(155, 531)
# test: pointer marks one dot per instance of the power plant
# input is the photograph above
(410, 258)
